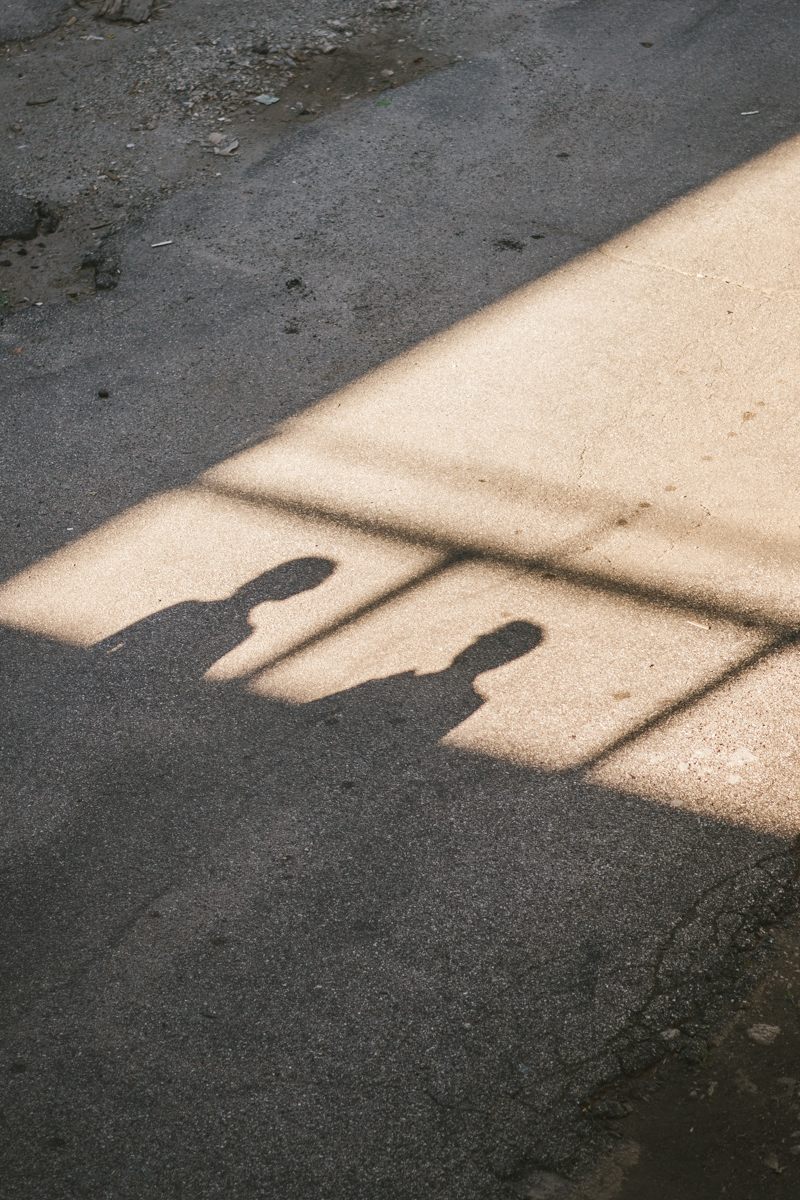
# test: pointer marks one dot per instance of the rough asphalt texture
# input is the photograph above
(729, 1123)
(29, 18)
(255, 948)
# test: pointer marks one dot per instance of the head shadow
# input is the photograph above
(497, 648)
(286, 580)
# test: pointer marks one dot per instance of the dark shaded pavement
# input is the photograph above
(287, 949)
(254, 948)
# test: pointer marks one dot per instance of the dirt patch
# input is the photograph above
(725, 1125)
(361, 68)
(106, 121)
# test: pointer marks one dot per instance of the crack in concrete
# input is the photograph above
(581, 462)
(772, 907)
(649, 264)
(681, 537)
(769, 902)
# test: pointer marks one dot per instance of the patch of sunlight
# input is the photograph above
(196, 545)
(609, 454)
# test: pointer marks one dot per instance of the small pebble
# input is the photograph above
(764, 1035)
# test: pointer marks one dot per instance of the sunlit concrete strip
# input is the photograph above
(627, 422)
(195, 545)
(734, 754)
(742, 230)
(631, 417)
(606, 662)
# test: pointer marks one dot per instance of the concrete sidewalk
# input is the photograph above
(358, 876)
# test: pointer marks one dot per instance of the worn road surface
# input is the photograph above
(400, 600)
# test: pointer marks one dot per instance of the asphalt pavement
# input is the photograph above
(399, 613)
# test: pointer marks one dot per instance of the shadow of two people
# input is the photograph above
(176, 646)
(125, 765)
(333, 881)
